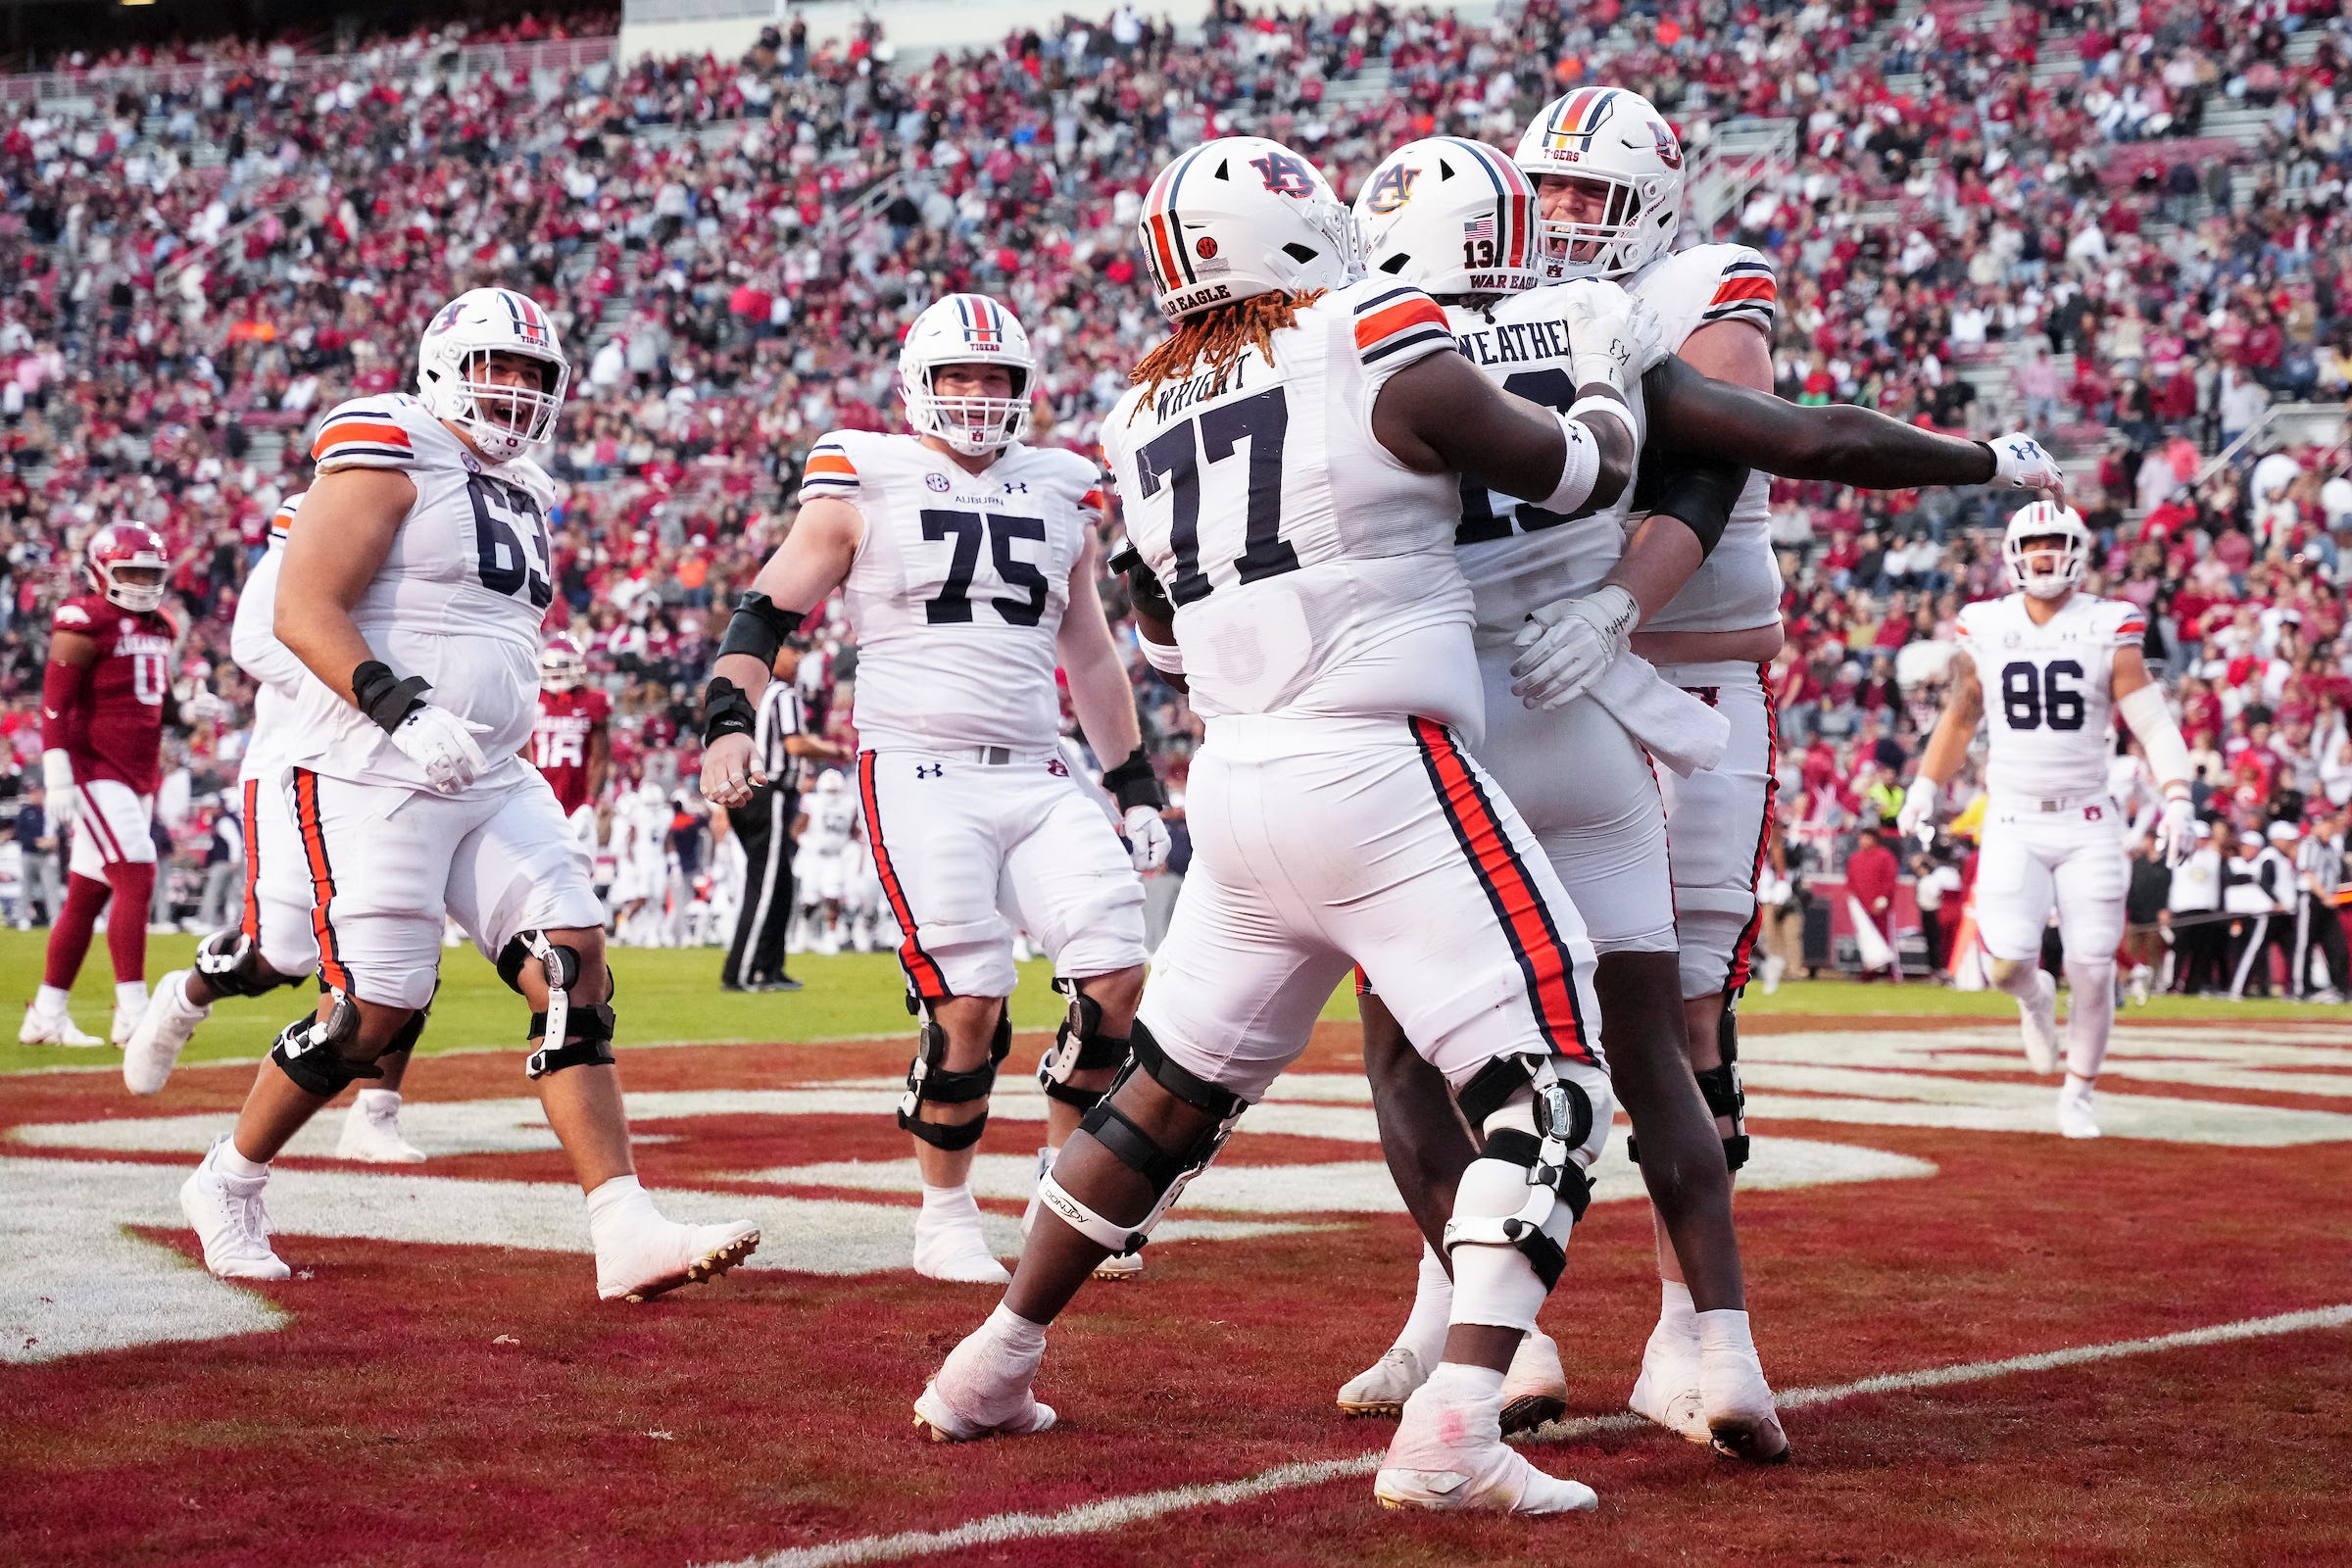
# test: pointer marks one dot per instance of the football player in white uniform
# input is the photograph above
(1457, 218)
(273, 944)
(968, 564)
(2063, 665)
(1288, 463)
(826, 859)
(419, 563)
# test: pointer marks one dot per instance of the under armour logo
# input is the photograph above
(1015, 488)
(930, 770)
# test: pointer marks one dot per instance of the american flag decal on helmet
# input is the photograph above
(1513, 222)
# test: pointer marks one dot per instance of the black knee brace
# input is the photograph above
(231, 966)
(1724, 1094)
(929, 1080)
(1080, 1046)
(581, 1034)
(1562, 1114)
(325, 1058)
(1168, 1170)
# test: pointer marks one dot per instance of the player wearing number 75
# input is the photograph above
(413, 584)
(2057, 663)
(968, 564)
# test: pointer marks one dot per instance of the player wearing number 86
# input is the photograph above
(2051, 668)
(968, 564)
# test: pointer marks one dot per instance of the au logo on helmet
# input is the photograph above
(1285, 176)
(1670, 151)
(1392, 189)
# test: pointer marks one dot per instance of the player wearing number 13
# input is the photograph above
(2047, 666)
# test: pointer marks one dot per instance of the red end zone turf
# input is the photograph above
(437, 1403)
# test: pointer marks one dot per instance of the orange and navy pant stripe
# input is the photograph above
(1523, 919)
(251, 926)
(922, 971)
(1743, 951)
(323, 880)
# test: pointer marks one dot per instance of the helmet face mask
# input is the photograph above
(1451, 216)
(1621, 205)
(961, 338)
(562, 667)
(1240, 217)
(2046, 549)
(127, 565)
(475, 371)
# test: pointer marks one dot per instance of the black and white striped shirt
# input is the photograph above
(2322, 861)
(780, 719)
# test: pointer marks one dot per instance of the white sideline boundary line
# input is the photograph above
(1111, 1513)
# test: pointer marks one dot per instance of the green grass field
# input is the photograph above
(672, 996)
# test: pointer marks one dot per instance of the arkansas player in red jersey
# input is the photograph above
(103, 706)
(571, 744)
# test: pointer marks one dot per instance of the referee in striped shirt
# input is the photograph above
(2319, 872)
(756, 960)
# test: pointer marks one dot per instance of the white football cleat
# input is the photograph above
(983, 1391)
(1118, 1268)
(1774, 967)
(1449, 1455)
(228, 1218)
(371, 1132)
(660, 1256)
(958, 1254)
(2038, 1020)
(2074, 1118)
(1534, 1389)
(127, 1020)
(161, 1034)
(53, 1029)
(1383, 1388)
(2138, 986)
(1668, 1389)
(1741, 1422)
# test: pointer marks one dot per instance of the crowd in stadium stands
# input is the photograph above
(199, 267)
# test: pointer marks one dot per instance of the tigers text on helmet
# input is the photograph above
(453, 371)
(2022, 543)
(562, 667)
(967, 329)
(1614, 139)
(127, 547)
(1241, 217)
(1452, 217)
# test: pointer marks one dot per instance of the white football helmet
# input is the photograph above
(1615, 138)
(1451, 216)
(1240, 217)
(967, 329)
(830, 782)
(562, 668)
(500, 421)
(2030, 530)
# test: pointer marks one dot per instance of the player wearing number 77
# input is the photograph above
(968, 564)
(2058, 663)
(411, 587)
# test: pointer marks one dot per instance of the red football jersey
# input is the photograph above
(560, 740)
(112, 725)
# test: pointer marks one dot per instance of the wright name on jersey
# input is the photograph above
(2048, 691)
(458, 600)
(959, 586)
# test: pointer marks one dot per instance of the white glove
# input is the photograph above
(57, 784)
(1917, 816)
(1148, 841)
(2020, 464)
(2177, 832)
(442, 744)
(1565, 646)
(1612, 336)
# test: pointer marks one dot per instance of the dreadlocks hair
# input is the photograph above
(1220, 336)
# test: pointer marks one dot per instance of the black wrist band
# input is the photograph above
(726, 710)
(759, 628)
(1997, 463)
(1133, 783)
(384, 697)
(1144, 588)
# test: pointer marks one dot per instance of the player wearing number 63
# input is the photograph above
(2059, 665)
(968, 564)
(410, 590)
(1289, 462)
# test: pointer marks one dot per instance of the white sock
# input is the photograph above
(2021, 981)
(1676, 1314)
(231, 1163)
(2089, 1017)
(1016, 1332)
(386, 1103)
(1725, 1329)
(50, 1001)
(1460, 1383)
(948, 1206)
(132, 995)
(1424, 1331)
(615, 1203)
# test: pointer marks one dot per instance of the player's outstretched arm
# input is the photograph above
(814, 560)
(1841, 444)
(1440, 415)
(2139, 703)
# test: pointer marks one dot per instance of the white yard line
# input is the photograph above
(1113, 1513)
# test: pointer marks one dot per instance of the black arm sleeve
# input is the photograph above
(1698, 492)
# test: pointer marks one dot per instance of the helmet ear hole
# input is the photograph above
(1302, 254)
(1395, 263)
